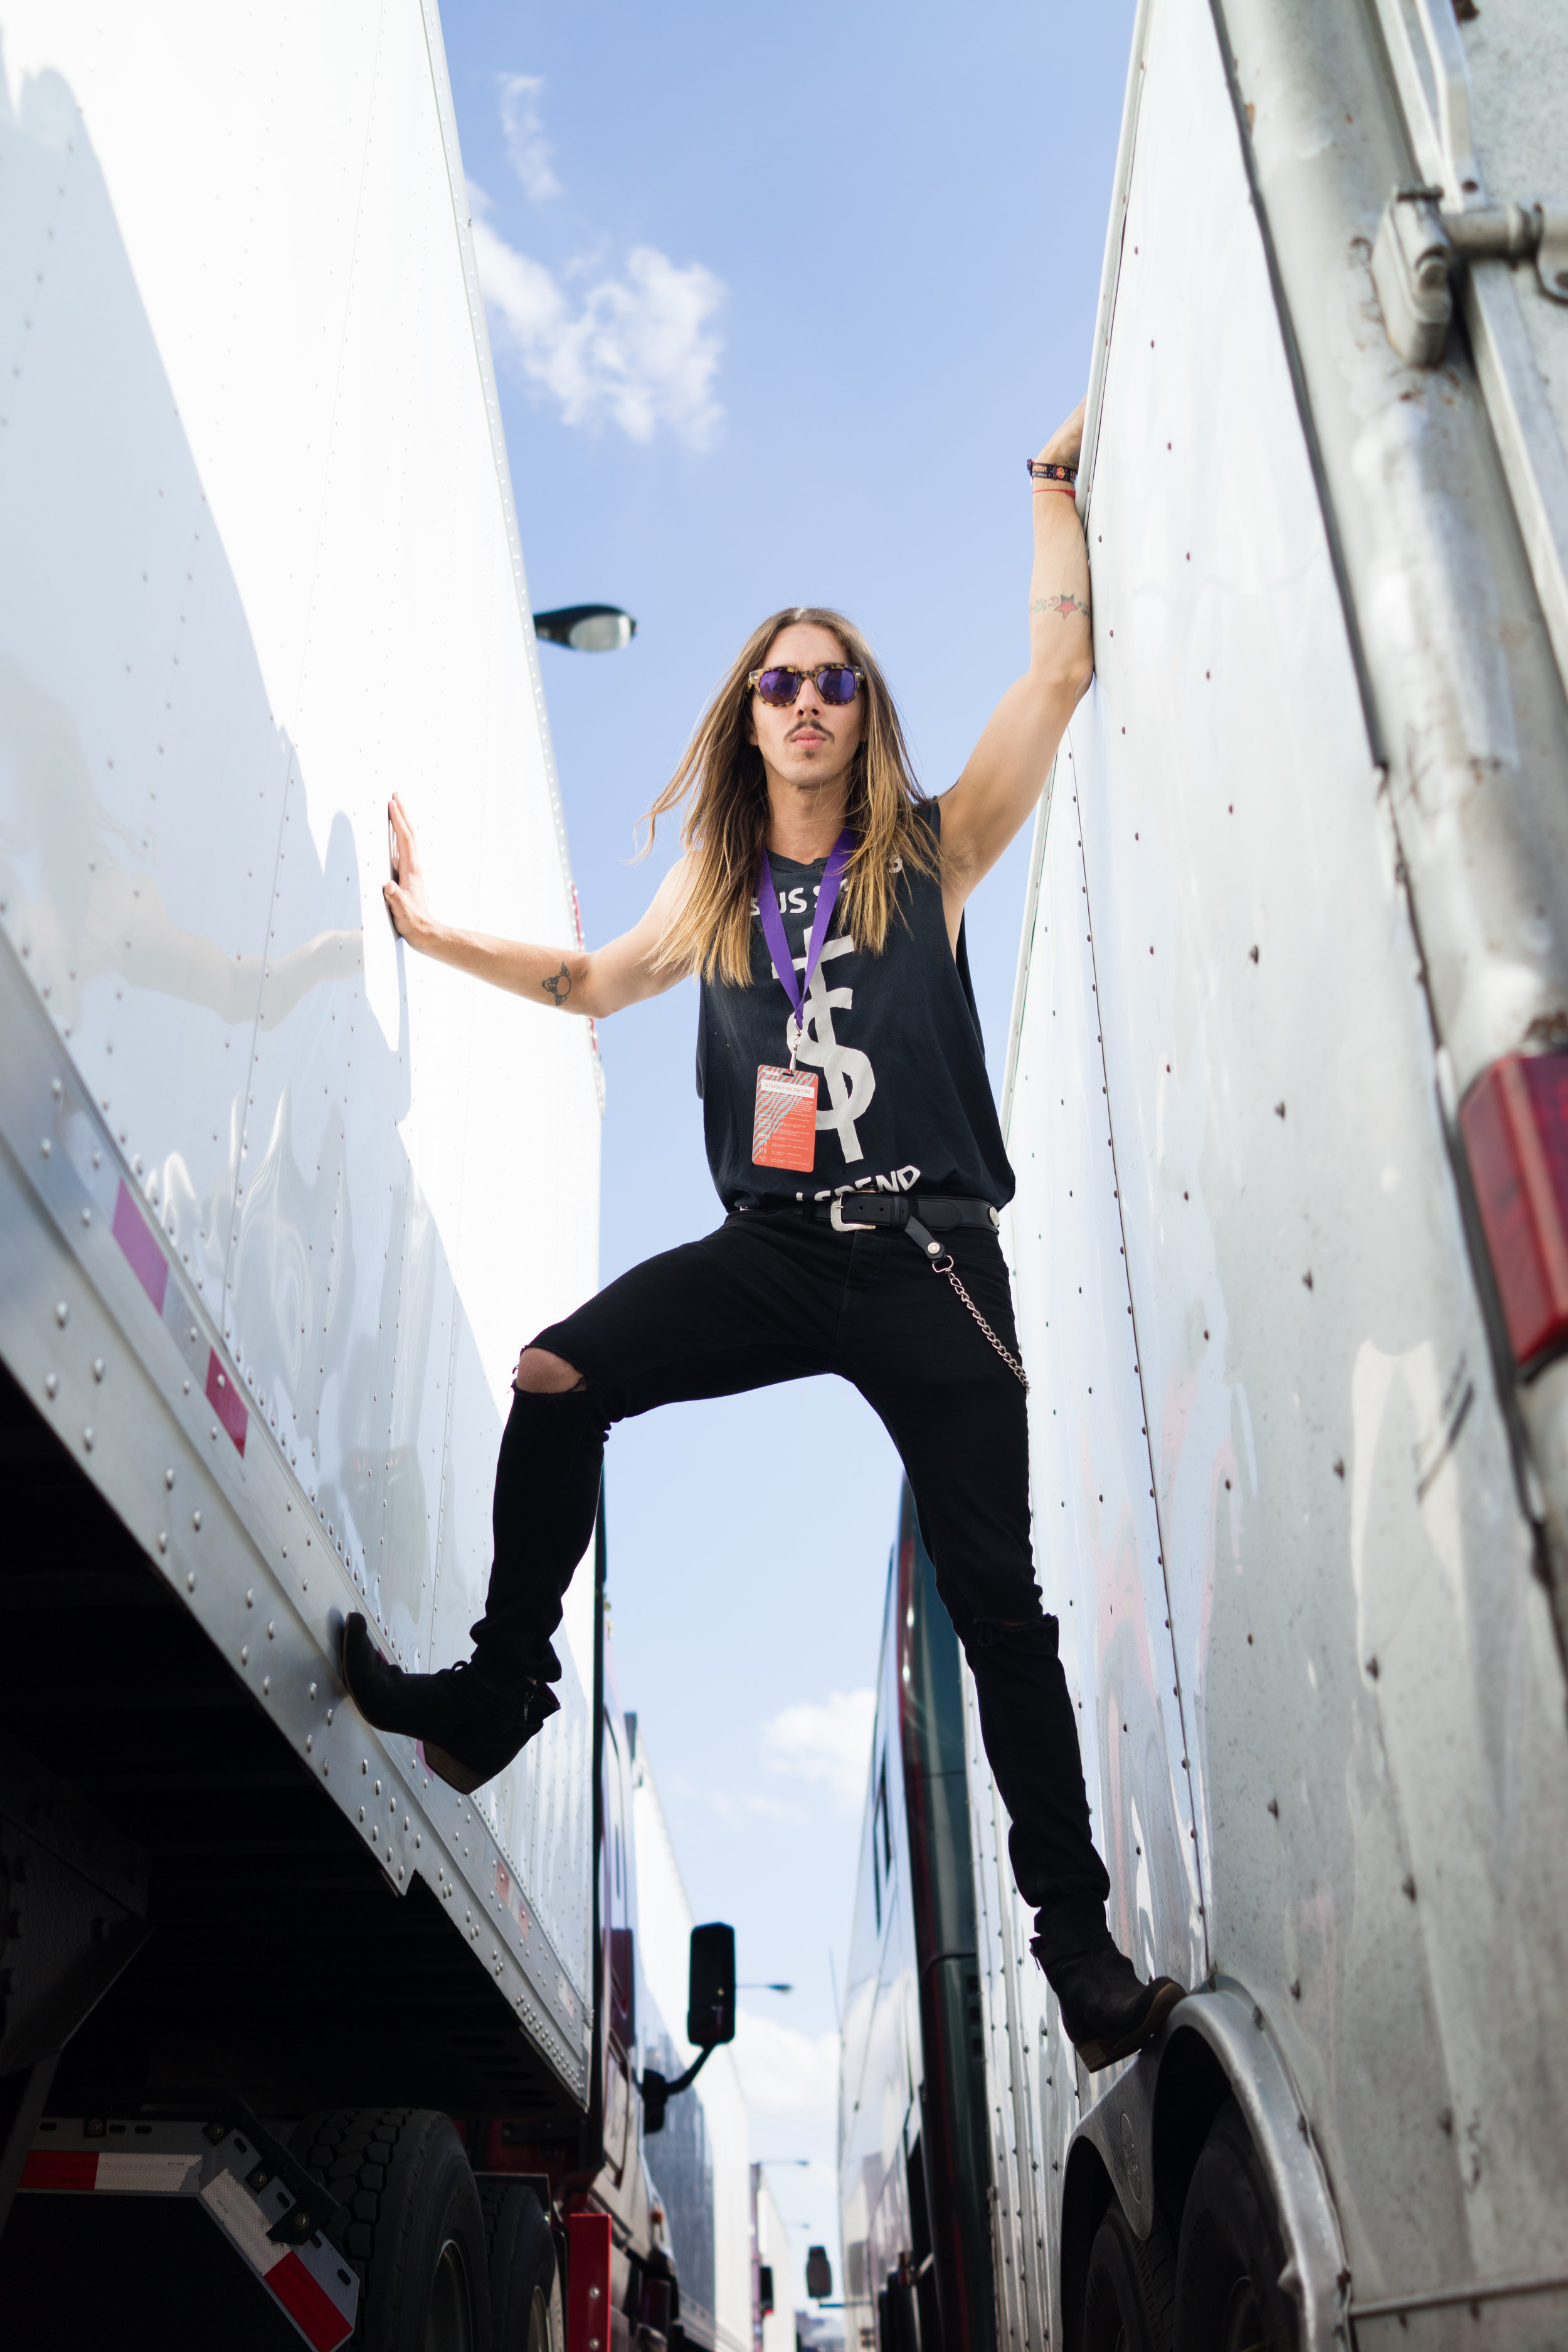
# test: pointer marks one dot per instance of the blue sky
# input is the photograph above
(780, 302)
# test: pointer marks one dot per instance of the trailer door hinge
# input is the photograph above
(1419, 246)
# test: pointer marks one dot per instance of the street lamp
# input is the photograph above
(586, 628)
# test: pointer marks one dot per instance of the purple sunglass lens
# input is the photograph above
(779, 686)
(835, 685)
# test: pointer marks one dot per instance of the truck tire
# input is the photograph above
(525, 2280)
(1129, 2288)
(1229, 2293)
(416, 2232)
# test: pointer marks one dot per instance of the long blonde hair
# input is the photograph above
(726, 818)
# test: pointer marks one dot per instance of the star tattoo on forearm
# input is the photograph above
(1065, 605)
(558, 986)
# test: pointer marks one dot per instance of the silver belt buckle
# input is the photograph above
(836, 1219)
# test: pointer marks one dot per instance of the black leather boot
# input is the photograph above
(1108, 2012)
(470, 1728)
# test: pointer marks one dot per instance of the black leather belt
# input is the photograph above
(922, 1216)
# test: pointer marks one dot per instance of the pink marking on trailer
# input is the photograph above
(148, 1263)
(510, 1895)
(226, 1402)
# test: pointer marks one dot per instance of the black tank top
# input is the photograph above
(903, 1101)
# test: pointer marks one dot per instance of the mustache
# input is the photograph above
(816, 726)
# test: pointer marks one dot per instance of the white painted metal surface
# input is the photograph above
(775, 2328)
(880, 2036)
(262, 568)
(1275, 1511)
(700, 2162)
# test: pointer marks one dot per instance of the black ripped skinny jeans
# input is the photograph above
(771, 1298)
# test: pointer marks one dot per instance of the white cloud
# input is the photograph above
(526, 145)
(736, 1808)
(784, 2073)
(829, 1745)
(639, 350)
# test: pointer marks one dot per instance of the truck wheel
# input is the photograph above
(1228, 2295)
(415, 2232)
(1129, 2288)
(525, 2285)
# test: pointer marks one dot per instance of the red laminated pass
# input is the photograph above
(784, 1132)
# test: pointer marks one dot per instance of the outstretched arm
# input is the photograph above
(1009, 767)
(592, 980)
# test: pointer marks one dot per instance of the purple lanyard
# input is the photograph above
(774, 930)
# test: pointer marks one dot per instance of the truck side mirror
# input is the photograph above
(709, 2017)
(711, 1997)
(655, 2098)
(818, 2275)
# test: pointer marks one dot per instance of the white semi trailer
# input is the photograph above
(277, 1206)
(1286, 1098)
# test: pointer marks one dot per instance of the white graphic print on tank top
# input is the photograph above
(894, 1039)
(846, 1072)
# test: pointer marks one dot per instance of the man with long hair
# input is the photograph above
(855, 1144)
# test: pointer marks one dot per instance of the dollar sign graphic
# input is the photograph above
(851, 1081)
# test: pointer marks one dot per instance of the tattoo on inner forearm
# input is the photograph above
(1064, 605)
(558, 986)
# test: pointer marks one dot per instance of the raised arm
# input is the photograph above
(1007, 769)
(592, 980)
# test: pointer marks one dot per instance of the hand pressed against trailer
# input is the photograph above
(854, 1143)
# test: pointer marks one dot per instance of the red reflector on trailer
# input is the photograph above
(50, 2167)
(1514, 1121)
(314, 2313)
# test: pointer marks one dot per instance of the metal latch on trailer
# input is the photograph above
(1419, 246)
(265, 2202)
